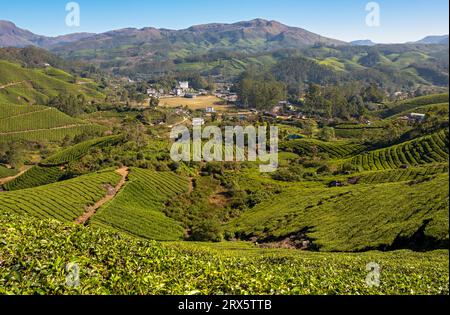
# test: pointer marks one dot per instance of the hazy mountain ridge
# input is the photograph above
(363, 42)
(13, 36)
(438, 40)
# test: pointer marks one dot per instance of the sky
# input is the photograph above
(399, 20)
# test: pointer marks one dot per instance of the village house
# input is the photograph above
(181, 89)
(184, 85)
(416, 117)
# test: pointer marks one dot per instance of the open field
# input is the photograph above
(7, 172)
(201, 102)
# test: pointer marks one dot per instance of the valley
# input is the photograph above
(87, 175)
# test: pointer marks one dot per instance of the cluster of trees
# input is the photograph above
(341, 101)
(70, 104)
(12, 154)
(260, 91)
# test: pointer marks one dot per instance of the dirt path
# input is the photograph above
(110, 194)
(26, 114)
(191, 185)
(48, 129)
(179, 123)
(10, 84)
(10, 178)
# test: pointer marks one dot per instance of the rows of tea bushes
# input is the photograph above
(428, 149)
(35, 176)
(308, 147)
(75, 152)
(355, 217)
(398, 175)
(138, 208)
(35, 255)
(64, 201)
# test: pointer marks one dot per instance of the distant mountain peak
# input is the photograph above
(13, 36)
(363, 42)
(434, 39)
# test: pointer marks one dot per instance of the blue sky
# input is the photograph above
(400, 20)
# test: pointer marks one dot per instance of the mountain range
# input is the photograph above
(266, 33)
(225, 51)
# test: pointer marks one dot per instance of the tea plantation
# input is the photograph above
(34, 256)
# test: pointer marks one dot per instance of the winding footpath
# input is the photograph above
(10, 178)
(10, 84)
(91, 210)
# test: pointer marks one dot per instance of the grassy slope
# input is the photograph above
(34, 177)
(6, 172)
(34, 255)
(352, 218)
(37, 85)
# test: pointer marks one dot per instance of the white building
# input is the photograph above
(184, 85)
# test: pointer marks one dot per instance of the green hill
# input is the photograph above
(412, 104)
(355, 218)
(53, 169)
(36, 123)
(19, 85)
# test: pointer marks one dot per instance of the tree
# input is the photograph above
(393, 132)
(327, 134)
(308, 128)
(154, 102)
(13, 154)
(70, 104)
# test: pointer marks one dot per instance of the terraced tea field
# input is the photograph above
(398, 175)
(35, 176)
(138, 208)
(75, 152)
(39, 123)
(411, 104)
(353, 218)
(63, 201)
(424, 150)
(38, 85)
(336, 150)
